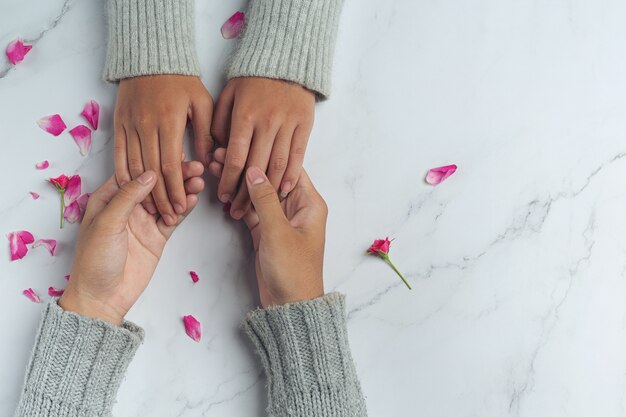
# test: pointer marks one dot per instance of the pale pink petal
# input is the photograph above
(233, 26)
(16, 51)
(192, 327)
(82, 201)
(437, 175)
(32, 295)
(52, 124)
(194, 276)
(42, 165)
(72, 190)
(67, 277)
(50, 244)
(53, 292)
(34, 195)
(27, 237)
(73, 213)
(91, 112)
(82, 137)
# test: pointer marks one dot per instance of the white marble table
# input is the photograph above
(518, 261)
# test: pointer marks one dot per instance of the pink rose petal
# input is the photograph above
(437, 175)
(82, 201)
(50, 244)
(91, 112)
(32, 295)
(16, 51)
(18, 242)
(42, 165)
(82, 137)
(73, 213)
(53, 292)
(67, 277)
(52, 124)
(34, 195)
(194, 276)
(72, 189)
(192, 327)
(27, 237)
(233, 26)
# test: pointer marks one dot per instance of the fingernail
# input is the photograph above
(179, 209)
(255, 175)
(146, 177)
(285, 188)
(224, 198)
(237, 214)
(151, 208)
(283, 195)
(168, 220)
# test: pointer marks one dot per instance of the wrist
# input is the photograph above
(88, 306)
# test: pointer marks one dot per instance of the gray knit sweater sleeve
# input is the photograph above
(304, 350)
(76, 366)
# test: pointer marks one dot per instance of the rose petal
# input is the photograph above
(34, 195)
(233, 26)
(73, 213)
(437, 175)
(194, 276)
(380, 245)
(83, 200)
(52, 124)
(60, 182)
(16, 51)
(42, 165)
(50, 244)
(53, 292)
(27, 237)
(82, 137)
(192, 327)
(67, 277)
(91, 112)
(31, 295)
(73, 189)
(18, 242)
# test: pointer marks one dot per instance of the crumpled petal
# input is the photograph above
(50, 244)
(91, 112)
(72, 189)
(73, 213)
(192, 327)
(42, 165)
(82, 137)
(18, 242)
(194, 276)
(16, 51)
(67, 277)
(53, 292)
(60, 182)
(233, 26)
(31, 295)
(34, 195)
(52, 124)
(437, 175)
(380, 246)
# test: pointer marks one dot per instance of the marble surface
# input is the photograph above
(518, 261)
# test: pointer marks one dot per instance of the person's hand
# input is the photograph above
(288, 239)
(150, 118)
(264, 123)
(119, 245)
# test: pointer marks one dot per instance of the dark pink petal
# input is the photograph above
(27, 237)
(233, 26)
(82, 201)
(73, 189)
(67, 277)
(52, 124)
(82, 137)
(73, 213)
(60, 182)
(194, 276)
(50, 244)
(32, 295)
(437, 175)
(192, 327)
(42, 165)
(91, 112)
(53, 292)
(34, 195)
(17, 246)
(16, 51)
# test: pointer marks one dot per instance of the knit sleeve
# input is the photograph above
(304, 350)
(76, 366)
(148, 37)
(291, 40)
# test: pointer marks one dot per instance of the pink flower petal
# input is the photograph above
(437, 175)
(16, 51)
(67, 277)
(52, 124)
(53, 292)
(32, 295)
(34, 195)
(194, 276)
(82, 201)
(17, 246)
(91, 112)
(42, 165)
(27, 237)
(82, 137)
(72, 189)
(73, 213)
(192, 327)
(233, 26)
(50, 244)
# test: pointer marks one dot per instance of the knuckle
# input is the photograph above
(170, 168)
(143, 120)
(279, 164)
(235, 162)
(135, 165)
(298, 151)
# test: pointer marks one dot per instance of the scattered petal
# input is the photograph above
(67, 277)
(27, 237)
(34, 195)
(18, 242)
(42, 165)
(91, 112)
(60, 182)
(82, 137)
(52, 124)
(437, 175)
(380, 246)
(192, 327)
(50, 244)
(72, 189)
(194, 276)
(73, 213)
(82, 201)
(16, 51)
(32, 295)
(233, 26)
(53, 292)
(226, 207)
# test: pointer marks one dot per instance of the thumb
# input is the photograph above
(265, 199)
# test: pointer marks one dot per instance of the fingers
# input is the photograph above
(152, 161)
(280, 156)
(171, 146)
(122, 174)
(236, 156)
(201, 115)
(217, 164)
(167, 230)
(135, 164)
(296, 158)
(220, 128)
(265, 201)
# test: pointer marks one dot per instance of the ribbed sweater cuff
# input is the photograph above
(304, 350)
(291, 40)
(77, 365)
(148, 37)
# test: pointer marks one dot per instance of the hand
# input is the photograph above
(150, 118)
(120, 244)
(264, 123)
(288, 239)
